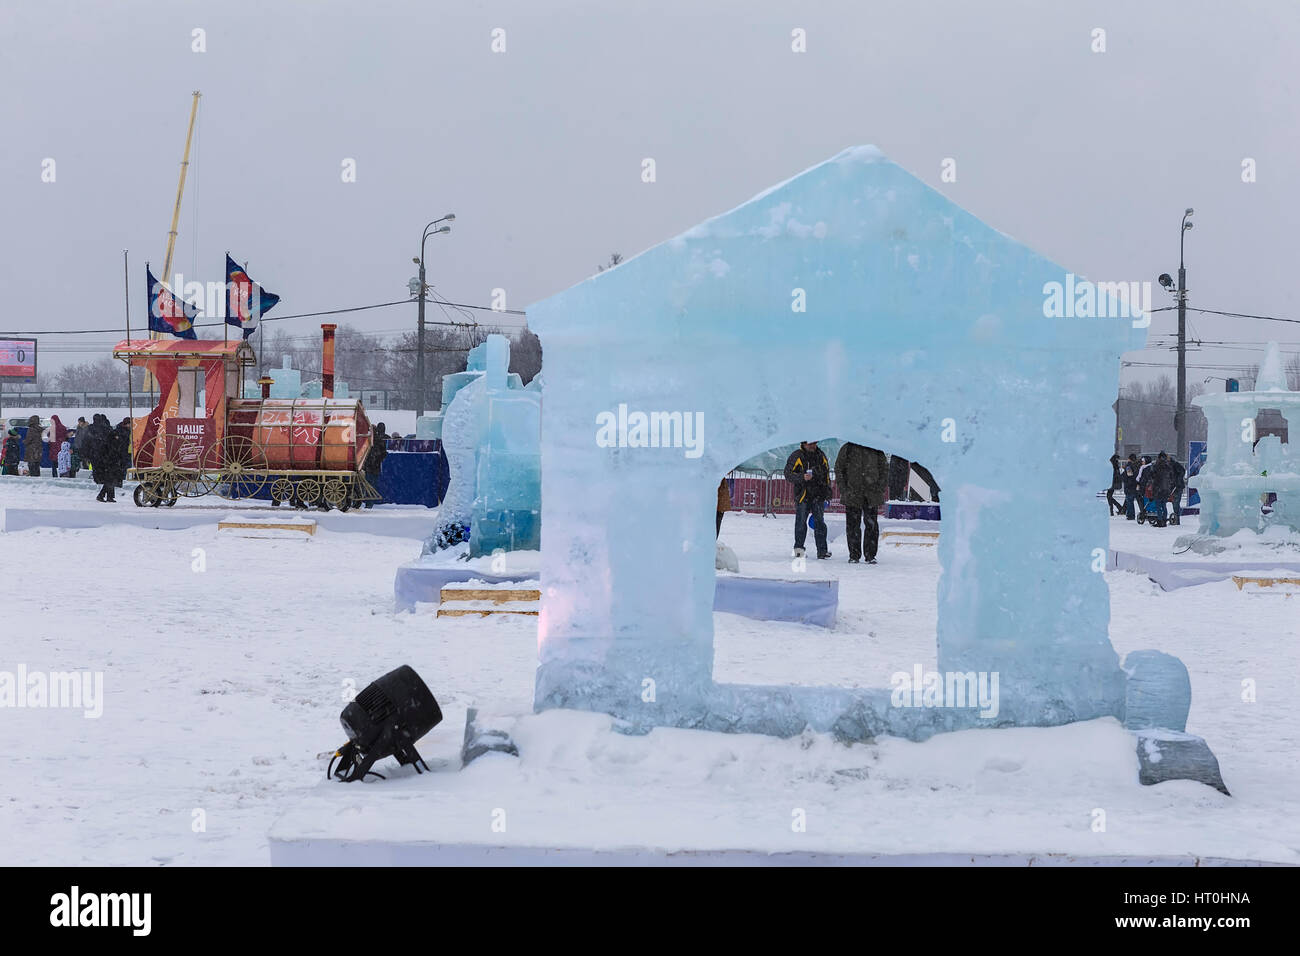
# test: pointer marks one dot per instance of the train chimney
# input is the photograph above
(266, 382)
(327, 360)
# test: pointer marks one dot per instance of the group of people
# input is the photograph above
(863, 477)
(98, 444)
(1150, 487)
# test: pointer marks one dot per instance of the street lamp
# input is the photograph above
(1180, 414)
(420, 288)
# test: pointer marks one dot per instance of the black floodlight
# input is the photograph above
(385, 719)
(1166, 280)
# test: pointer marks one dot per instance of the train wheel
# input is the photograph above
(281, 490)
(243, 468)
(143, 492)
(171, 475)
(335, 492)
(309, 491)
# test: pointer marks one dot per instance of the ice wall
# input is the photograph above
(853, 301)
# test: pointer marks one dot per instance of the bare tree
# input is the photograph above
(1145, 412)
(614, 259)
(526, 355)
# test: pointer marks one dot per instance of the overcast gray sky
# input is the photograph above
(1088, 157)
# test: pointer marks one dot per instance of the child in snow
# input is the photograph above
(65, 460)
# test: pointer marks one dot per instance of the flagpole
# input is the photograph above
(225, 324)
(149, 378)
(130, 399)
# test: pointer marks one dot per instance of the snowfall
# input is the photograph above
(227, 659)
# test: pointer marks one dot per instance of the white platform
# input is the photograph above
(412, 523)
(580, 793)
(1172, 575)
(361, 853)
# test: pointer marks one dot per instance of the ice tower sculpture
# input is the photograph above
(852, 300)
(1247, 460)
(490, 433)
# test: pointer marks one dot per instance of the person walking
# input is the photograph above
(123, 436)
(56, 433)
(1180, 483)
(1129, 478)
(863, 478)
(1163, 479)
(1116, 483)
(80, 457)
(375, 458)
(32, 446)
(101, 445)
(10, 454)
(810, 473)
(724, 505)
(1143, 488)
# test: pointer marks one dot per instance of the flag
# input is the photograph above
(246, 301)
(168, 313)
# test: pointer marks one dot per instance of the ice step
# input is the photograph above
(484, 608)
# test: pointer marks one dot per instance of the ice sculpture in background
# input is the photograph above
(855, 301)
(489, 425)
(1251, 476)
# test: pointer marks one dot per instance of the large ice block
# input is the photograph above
(855, 301)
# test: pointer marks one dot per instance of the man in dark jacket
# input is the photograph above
(1180, 483)
(1129, 477)
(32, 446)
(1163, 478)
(12, 443)
(808, 470)
(104, 455)
(863, 478)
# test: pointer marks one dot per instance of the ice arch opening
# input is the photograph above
(851, 293)
(871, 640)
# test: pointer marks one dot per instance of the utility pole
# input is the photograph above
(419, 343)
(420, 292)
(1180, 416)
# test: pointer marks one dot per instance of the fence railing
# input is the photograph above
(373, 399)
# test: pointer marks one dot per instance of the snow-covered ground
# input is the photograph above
(225, 661)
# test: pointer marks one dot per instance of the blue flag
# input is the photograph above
(168, 313)
(246, 301)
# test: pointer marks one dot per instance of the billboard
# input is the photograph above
(17, 360)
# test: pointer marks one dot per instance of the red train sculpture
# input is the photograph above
(303, 451)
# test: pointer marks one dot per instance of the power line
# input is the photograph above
(300, 315)
(1236, 315)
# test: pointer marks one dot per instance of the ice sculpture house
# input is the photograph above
(854, 301)
(1249, 456)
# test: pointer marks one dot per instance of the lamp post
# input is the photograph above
(1180, 413)
(419, 335)
(1180, 417)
